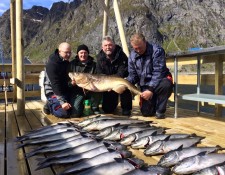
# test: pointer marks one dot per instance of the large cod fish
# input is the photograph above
(101, 83)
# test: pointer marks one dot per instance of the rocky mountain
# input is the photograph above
(175, 24)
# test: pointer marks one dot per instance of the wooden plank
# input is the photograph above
(219, 99)
(16, 164)
(24, 126)
(36, 93)
(34, 67)
(219, 83)
(28, 67)
(2, 138)
(36, 109)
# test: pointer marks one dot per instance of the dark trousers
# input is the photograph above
(159, 100)
(77, 101)
(110, 101)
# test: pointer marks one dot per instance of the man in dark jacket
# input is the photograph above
(56, 82)
(111, 60)
(147, 68)
(83, 62)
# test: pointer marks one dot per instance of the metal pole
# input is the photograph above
(175, 87)
(13, 45)
(120, 27)
(105, 18)
(198, 80)
(20, 60)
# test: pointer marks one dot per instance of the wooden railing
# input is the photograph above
(32, 73)
(214, 55)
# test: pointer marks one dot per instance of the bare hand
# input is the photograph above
(73, 82)
(66, 106)
(147, 95)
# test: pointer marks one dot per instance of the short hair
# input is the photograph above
(108, 38)
(137, 37)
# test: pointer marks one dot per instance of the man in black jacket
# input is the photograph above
(56, 82)
(111, 60)
(83, 62)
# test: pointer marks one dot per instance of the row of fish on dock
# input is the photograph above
(100, 145)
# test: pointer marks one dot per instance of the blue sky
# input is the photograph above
(27, 4)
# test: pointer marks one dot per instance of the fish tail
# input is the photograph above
(28, 155)
(42, 166)
(21, 145)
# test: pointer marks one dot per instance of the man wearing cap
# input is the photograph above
(84, 63)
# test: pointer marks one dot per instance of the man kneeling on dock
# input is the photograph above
(147, 68)
(56, 82)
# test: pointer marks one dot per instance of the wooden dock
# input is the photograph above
(12, 160)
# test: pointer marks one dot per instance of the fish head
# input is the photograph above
(104, 132)
(168, 159)
(137, 163)
(186, 165)
(141, 143)
(128, 140)
(92, 126)
(125, 153)
(78, 77)
(115, 135)
(115, 145)
(155, 148)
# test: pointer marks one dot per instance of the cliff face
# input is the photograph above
(176, 24)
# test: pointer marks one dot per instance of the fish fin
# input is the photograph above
(137, 163)
(111, 149)
(83, 134)
(202, 153)
(168, 137)
(219, 147)
(165, 128)
(125, 126)
(42, 166)
(119, 160)
(106, 144)
(21, 145)
(116, 125)
(193, 135)
(154, 133)
(180, 147)
(119, 89)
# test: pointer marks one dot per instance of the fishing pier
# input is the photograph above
(12, 160)
(21, 108)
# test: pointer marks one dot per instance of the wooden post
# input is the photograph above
(120, 27)
(13, 44)
(105, 18)
(218, 82)
(20, 60)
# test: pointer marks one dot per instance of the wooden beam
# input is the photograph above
(120, 27)
(13, 43)
(105, 18)
(20, 60)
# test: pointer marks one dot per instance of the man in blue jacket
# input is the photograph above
(147, 68)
